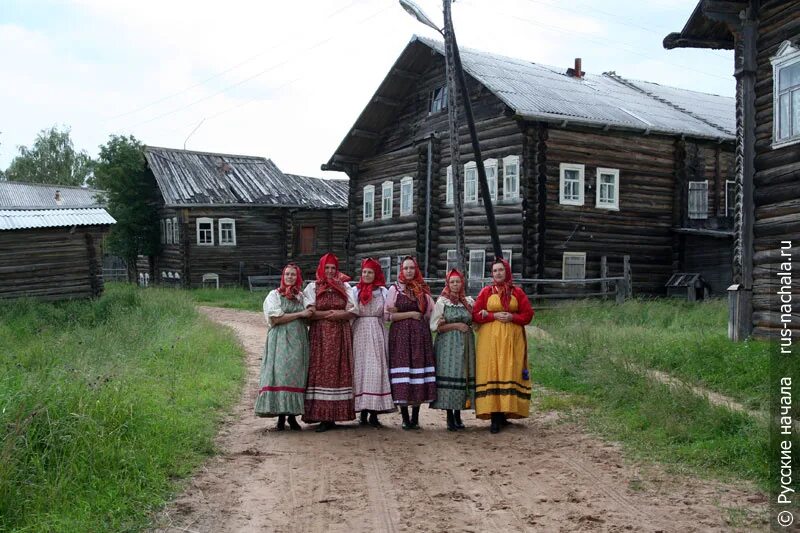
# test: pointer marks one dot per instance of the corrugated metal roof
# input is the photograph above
(11, 219)
(18, 195)
(542, 92)
(203, 178)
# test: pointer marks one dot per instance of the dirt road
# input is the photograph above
(542, 474)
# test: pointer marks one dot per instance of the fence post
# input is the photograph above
(604, 274)
(626, 273)
(620, 290)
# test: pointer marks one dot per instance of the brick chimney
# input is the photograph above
(576, 71)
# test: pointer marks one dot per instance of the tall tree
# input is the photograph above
(131, 197)
(51, 159)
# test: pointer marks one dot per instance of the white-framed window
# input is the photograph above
(477, 264)
(786, 95)
(176, 231)
(507, 257)
(570, 185)
(452, 261)
(386, 267)
(448, 194)
(169, 231)
(490, 166)
(369, 203)
(387, 199)
(438, 99)
(573, 265)
(227, 232)
(470, 183)
(406, 196)
(205, 231)
(511, 177)
(730, 198)
(698, 199)
(607, 196)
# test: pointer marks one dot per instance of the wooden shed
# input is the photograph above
(765, 38)
(580, 166)
(50, 237)
(228, 217)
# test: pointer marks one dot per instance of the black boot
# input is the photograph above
(415, 417)
(406, 420)
(457, 419)
(293, 423)
(451, 425)
(373, 420)
(281, 422)
(363, 420)
(495, 426)
(325, 426)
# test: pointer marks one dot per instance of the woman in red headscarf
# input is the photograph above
(371, 369)
(455, 350)
(412, 366)
(502, 383)
(284, 367)
(329, 393)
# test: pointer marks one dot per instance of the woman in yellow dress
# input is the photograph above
(502, 381)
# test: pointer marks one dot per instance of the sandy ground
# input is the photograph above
(541, 474)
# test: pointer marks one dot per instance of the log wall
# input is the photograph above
(331, 236)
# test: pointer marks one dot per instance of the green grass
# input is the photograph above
(231, 298)
(597, 353)
(104, 404)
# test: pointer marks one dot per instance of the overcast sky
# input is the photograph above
(287, 79)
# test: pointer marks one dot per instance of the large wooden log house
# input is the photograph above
(765, 38)
(580, 166)
(228, 217)
(50, 241)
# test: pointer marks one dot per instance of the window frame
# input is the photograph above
(438, 95)
(689, 200)
(232, 222)
(491, 163)
(473, 167)
(507, 256)
(407, 184)
(564, 264)
(168, 225)
(204, 220)
(510, 193)
(386, 267)
(610, 206)
(448, 191)
(581, 169)
(368, 189)
(730, 203)
(450, 263)
(786, 56)
(176, 231)
(476, 251)
(399, 265)
(387, 186)
(163, 231)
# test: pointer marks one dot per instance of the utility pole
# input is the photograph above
(455, 144)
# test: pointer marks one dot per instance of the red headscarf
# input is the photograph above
(336, 283)
(365, 289)
(462, 294)
(416, 285)
(506, 287)
(291, 291)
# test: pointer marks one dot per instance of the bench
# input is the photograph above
(263, 283)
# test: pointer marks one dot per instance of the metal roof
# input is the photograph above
(19, 195)
(539, 92)
(187, 177)
(11, 219)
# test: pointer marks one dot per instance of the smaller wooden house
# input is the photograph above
(50, 237)
(227, 217)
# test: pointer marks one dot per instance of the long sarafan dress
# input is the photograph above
(329, 393)
(370, 353)
(455, 357)
(412, 365)
(284, 367)
(501, 356)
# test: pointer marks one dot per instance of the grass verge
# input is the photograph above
(104, 404)
(230, 298)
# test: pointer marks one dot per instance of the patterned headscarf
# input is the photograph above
(336, 283)
(416, 285)
(365, 289)
(291, 291)
(462, 294)
(506, 287)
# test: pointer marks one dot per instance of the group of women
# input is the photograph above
(328, 355)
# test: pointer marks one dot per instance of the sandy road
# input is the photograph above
(542, 474)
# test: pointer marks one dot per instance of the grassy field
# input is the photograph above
(596, 354)
(230, 298)
(104, 404)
